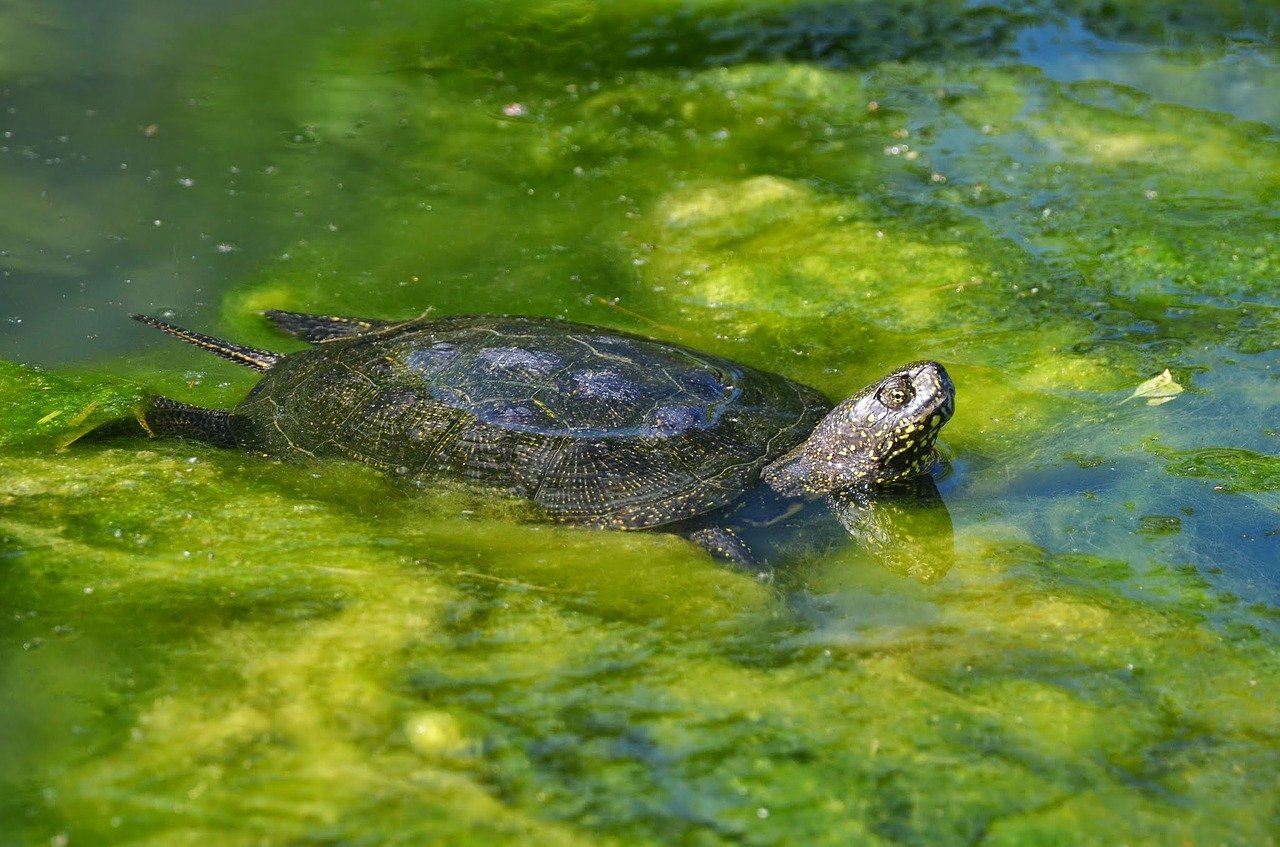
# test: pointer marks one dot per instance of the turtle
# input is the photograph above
(595, 427)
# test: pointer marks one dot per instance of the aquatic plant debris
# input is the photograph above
(1158, 390)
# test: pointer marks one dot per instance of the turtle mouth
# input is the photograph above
(935, 392)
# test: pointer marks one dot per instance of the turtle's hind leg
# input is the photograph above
(169, 418)
(318, 329)
(250, 357)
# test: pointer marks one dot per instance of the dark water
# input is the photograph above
(1059, 202)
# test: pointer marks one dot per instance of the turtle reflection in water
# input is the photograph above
(596, 427)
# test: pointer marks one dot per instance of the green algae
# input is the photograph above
(1235, 470)
(675, 702)
(208, 647)
(40, 408)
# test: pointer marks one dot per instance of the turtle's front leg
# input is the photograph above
(723, 544)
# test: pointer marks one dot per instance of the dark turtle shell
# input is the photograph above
(596, 427)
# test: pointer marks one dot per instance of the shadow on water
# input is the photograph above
(903, 528)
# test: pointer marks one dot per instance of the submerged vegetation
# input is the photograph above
(1058, 201)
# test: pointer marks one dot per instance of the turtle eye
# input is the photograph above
(896, 394)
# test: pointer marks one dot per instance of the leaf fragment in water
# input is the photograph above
(1157, 390)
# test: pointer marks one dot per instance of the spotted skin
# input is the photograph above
(884, 433)
(597, 427)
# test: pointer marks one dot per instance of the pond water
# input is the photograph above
(1060, 201)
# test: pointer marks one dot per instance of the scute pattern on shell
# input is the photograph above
(601, 429)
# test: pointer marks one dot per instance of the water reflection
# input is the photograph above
(904, 528)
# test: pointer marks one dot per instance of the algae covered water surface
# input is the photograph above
(1058, 201)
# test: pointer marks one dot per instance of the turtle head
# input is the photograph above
(884, 433)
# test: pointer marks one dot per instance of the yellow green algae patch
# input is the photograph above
(41, 408)
(257, 659)
(773, 245)
(212, 675)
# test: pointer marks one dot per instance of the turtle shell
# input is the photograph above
(597, 427)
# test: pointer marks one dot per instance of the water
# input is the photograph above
(1059, 203)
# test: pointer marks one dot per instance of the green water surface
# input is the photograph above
(1057, 200)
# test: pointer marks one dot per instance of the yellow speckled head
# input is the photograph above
(886, 432)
